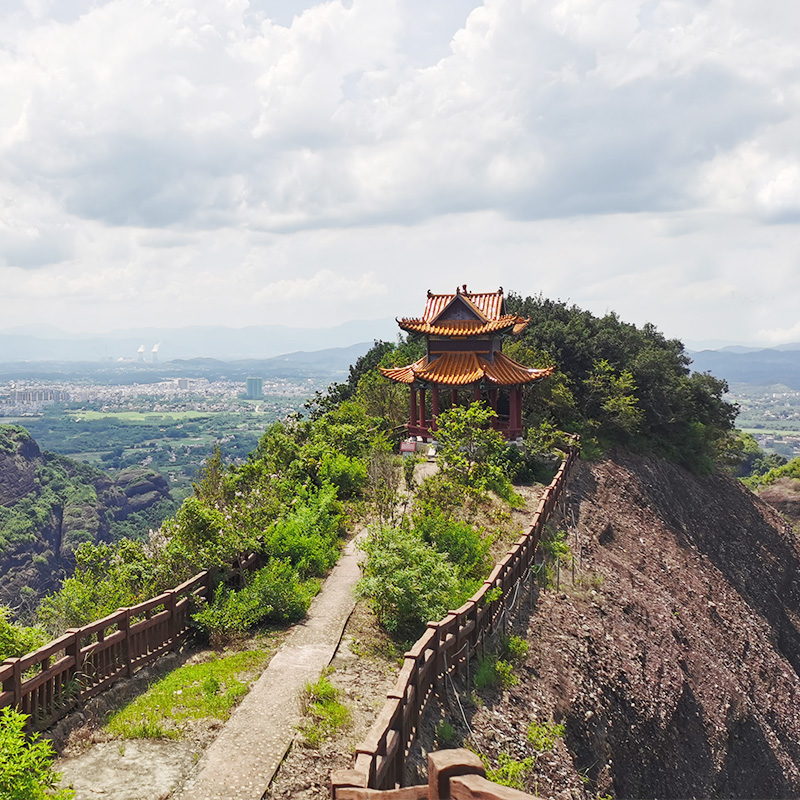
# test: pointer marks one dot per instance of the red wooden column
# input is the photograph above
(519, 409)
(422, 407)
(476, 393)
(412, 420)
(493, 404)
(454, 397)
(512, 410)
(434, 405)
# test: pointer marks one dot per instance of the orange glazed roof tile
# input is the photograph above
(464, 327)
(490, 304)
(461, 369)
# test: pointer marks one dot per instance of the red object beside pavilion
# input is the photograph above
(464, 352)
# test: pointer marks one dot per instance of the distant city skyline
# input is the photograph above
(305, 164)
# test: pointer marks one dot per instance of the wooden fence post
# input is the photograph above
(172, 622)
(16, 680)
(125, 625)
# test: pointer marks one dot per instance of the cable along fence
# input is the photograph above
(445, 648)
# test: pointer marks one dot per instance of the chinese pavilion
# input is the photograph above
(464, 333)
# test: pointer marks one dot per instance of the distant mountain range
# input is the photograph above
(332, 363)
(753, 366)
(48, 343)
(275, 350)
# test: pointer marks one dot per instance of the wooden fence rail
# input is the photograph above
(444, 648)
(48, 683)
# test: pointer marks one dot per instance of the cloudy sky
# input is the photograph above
(177, 162)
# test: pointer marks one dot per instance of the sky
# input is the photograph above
(196, 162)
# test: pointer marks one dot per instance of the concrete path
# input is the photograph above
(243, 759)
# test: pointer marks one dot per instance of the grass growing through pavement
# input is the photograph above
(193, 691)
(324, 714)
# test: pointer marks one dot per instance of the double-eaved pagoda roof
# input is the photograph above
(464, 314)
(464, 368)
(463, 332)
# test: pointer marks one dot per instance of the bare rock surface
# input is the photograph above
(137, 769)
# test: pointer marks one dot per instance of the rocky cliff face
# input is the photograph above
(50, 504)
(673, 659)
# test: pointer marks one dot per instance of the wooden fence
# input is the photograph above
(454, 774)
(50, 682)
(445, 647)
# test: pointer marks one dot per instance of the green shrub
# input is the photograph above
(496, 669)
(517, 649)
(406, 580)
(26, 763)
(463, 544)
(17, 640)
(274, 594)
(445, 733)
(309, 535)
(348, 475)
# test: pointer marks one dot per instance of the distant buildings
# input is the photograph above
(255, 388)
(38, 396)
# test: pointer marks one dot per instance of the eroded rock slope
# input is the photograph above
(673, 660)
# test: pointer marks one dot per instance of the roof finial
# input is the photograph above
(458, 290)
(465, 288)
(429, 292)
(501, 290)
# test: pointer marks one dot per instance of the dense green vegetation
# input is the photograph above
(436, 557)
(173, 444)
(617, 383)
(288, 502)
(26, 771)
(770, 469)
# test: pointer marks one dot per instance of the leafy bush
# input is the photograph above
(348, 475)
(466, 548)
(309, 535)
(407, 581)
(273, 594)
(17, 640)
(26, 763)
(469, 448)
(107, 577)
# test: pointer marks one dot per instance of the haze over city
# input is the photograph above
(188, 162)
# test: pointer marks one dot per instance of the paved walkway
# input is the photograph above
(243, 759)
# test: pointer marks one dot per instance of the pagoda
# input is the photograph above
(464, 334)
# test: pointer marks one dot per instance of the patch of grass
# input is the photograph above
(510, 772)
(543, 735)
(325, 714)
(193, 691)
(497, 669)
(445, 733)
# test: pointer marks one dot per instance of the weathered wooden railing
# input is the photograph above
(48, 683)
(446, 646)
(455, 774)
